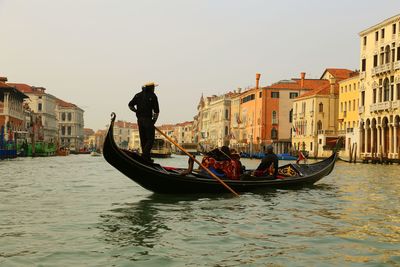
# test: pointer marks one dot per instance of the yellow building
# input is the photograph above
(315, 114)
(380, 89)
(348, 114)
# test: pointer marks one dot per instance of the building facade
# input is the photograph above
(12, 115)
(70, 125)
(348, 116)
(44, 106)
(380, 89)
(315, 114)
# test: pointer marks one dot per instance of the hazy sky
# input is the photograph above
(98, 53)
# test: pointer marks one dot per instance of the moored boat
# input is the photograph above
(159, 179)
(161, 149)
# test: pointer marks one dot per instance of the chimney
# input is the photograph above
(332, 82)
(303, 76)
(3, 79)
(257, 79)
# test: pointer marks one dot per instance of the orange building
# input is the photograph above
(266, 114)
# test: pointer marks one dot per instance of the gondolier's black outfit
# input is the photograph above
(145, 105)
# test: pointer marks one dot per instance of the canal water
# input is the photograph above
(80, 211)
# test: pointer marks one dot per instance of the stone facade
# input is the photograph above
(380, 89)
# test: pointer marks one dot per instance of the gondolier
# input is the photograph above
(145, 105)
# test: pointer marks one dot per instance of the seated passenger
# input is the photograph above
(270, 160)
(222, 163)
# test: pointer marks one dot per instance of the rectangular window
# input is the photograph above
(293, 95)
(274, 94)
(69, 130)
(375, 60)
(260, 94)
(311, 146)
(394, 28)
(362, 98)
(376, 36)
(398, 53)
(383, 33)
(40, 107)
(62, 130)
(398, 91)
(374, 96)
(69, 116)
(363, 64)
(365, 40)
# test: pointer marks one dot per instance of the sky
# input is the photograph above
(98, 53)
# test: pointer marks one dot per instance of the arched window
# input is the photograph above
(274, 134)
(386, 90)
(321, 107)
(387, 54)
(319, 125)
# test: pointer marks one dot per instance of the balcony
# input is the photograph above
(350, 130)
(380, 106)
(361, 110)
(396, 65)
(342, 132)
(396, 104)
(327, 132)
(382, 69)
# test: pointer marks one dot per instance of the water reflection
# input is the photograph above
(143, 223)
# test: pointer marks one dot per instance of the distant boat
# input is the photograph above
(161, 149)
(189, 147)
(62, 151)
(286, 156)
(95, 154)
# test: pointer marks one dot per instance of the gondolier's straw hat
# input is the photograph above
(150, 84)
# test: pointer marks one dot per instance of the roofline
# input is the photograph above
(379, 24)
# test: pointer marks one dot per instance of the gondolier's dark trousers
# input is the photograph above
(146, 132)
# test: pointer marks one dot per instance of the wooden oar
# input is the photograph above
(198, 162)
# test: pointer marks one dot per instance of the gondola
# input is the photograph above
(166, 180)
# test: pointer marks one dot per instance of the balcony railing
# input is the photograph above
(350, 130)
(396, 104)
(396, 65)
(380, 106)
(361, 110)
(382, 68)
(342, 132)
(327, 132)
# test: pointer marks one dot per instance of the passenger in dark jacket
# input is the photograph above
(145, 105)
(269, 159)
